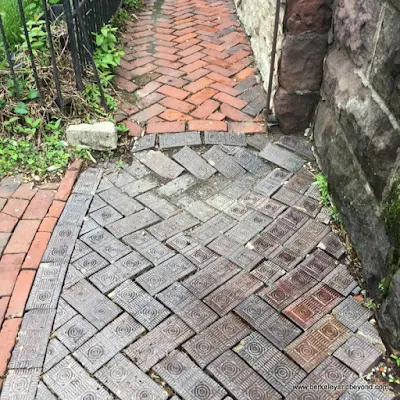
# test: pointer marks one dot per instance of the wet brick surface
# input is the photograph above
(197, 271)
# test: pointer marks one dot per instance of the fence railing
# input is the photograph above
(83, 19)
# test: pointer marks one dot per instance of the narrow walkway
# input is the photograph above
(206, 268)
(188, 67)
(195, 274)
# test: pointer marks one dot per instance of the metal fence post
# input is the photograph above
(53, 57)
(32, 58)
(73, 46)
(273, 53)
(8, 55)
(88, 49)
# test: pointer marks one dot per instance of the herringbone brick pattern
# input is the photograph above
(195, 273)
(188, 67)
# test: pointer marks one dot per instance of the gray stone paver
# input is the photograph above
(241, 272)
(128, 382)
(274, 366)
(359, 354)
(21, 384)
(239, 379)
(217, 338)
(185, 377)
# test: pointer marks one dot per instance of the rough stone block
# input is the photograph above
(99, 136)
(294, 110)
(308, 16)
(301, 62)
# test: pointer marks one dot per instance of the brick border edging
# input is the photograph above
(27, 363)
(21, 266)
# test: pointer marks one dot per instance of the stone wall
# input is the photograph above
(306, 27)
(258, 17)
(357, 139)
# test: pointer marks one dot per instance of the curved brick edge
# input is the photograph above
(27, 219)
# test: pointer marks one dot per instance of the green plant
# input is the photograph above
(21, 108)
(14, 90)
(37, 37)
(392, 211)
(384, 285)
(121, 164)
(107, 54)
(122, 128)
(394, 379)
(11, 20)
(119, 20)
(20, 154)
(322, 183)
(396, 359)
(370, 304)
(93, 97)
(132, 5)
(9, 124)
(391, 215)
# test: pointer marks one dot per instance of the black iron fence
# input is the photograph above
(83, 18)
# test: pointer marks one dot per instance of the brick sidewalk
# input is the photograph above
(189, 67)
(27, 218)
(195, 273)
(206, 269)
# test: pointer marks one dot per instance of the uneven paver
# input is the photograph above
(203, 269)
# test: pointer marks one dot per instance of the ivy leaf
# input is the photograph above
(33, 94)
(21, 108)
(2, 104)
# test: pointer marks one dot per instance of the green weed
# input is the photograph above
(322, 182)
(396, 359)
(21, 155)
(370, 304)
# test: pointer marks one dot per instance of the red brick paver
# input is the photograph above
(27, 218)
(191, 57)
(8, 335)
